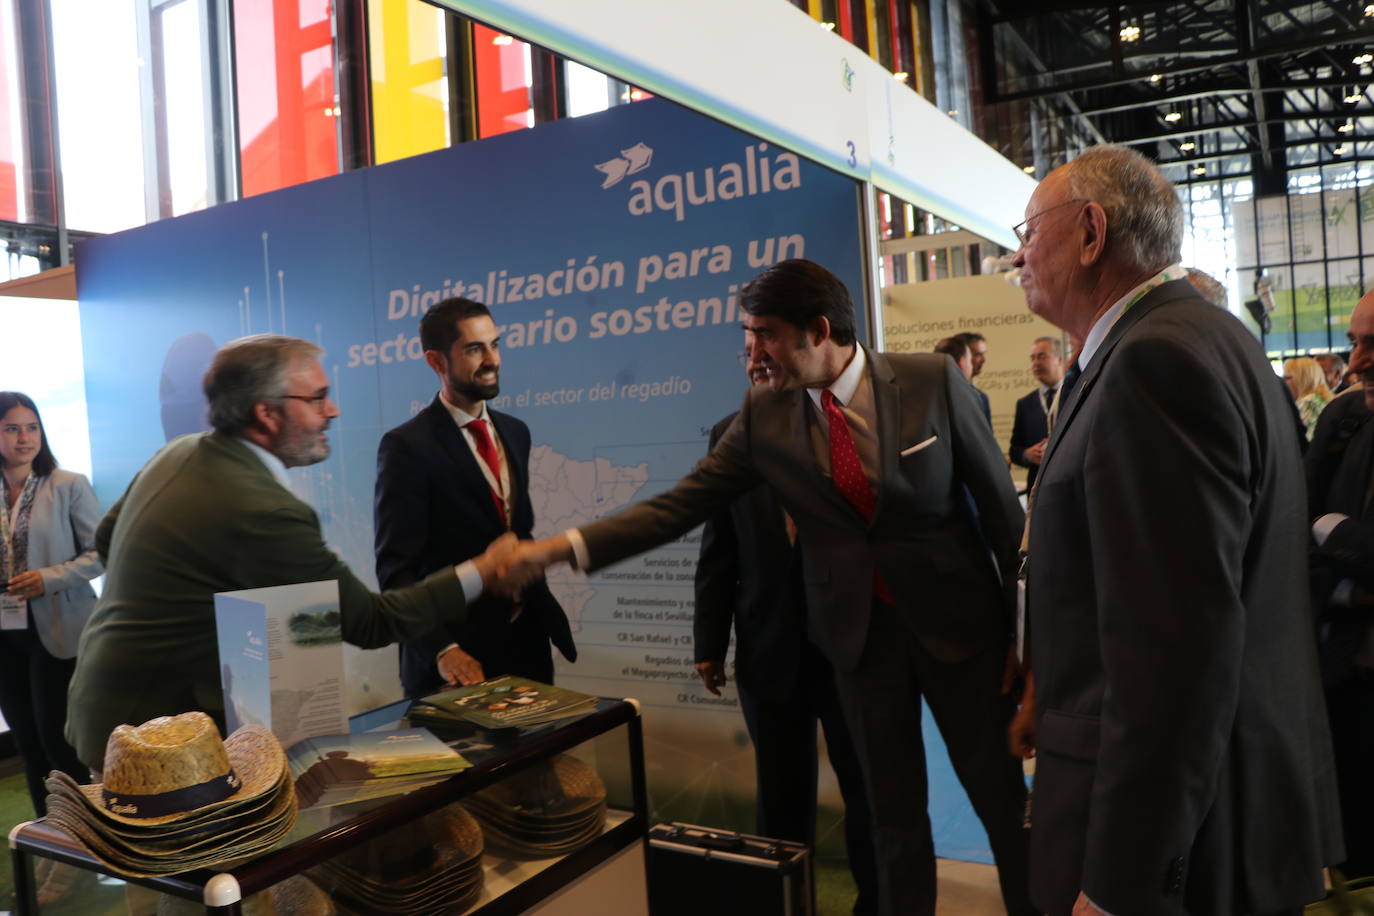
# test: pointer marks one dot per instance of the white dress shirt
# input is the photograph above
(502, 486)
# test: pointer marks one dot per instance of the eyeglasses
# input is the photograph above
(314, 400)
(1023, 234)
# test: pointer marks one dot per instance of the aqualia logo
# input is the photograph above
(758, 173)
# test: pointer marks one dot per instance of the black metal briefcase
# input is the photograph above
(695, 870)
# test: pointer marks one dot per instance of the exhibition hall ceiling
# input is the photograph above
(1207, 87)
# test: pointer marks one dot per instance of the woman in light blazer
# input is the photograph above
(47, 559)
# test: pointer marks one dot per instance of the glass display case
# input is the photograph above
(480, 841)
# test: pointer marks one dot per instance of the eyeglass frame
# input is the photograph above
(1024, 238)
(314, 400)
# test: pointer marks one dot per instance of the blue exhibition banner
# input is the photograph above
(610, 248)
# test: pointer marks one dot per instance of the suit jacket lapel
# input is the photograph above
(1088, 377)
(470, 477)
(515, 463)
(887, 402)
(1349, 486)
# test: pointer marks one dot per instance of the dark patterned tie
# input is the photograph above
(848, 473)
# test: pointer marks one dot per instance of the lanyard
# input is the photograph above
(10, 521)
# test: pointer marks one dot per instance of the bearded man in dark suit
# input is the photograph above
(454, 475)
(1184, 764)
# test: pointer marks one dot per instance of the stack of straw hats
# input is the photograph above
(548, 810)
(177, 798)
(430, 867)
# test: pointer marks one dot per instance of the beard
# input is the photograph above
(473, 390)
(300, 446)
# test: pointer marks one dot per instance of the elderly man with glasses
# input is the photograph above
(213, 512)
(1184, 764)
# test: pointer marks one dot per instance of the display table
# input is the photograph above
(609, 739)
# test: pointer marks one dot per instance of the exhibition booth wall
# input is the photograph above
(611, 249)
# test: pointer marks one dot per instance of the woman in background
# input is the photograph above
(47, 559)
(1308, 384)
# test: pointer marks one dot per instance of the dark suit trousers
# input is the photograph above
(33, 699)
(784, 736)
(1350, 706)
(882, 703)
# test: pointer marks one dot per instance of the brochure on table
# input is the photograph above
(281, 659)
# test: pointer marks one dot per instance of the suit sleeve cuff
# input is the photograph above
(1322, 527)
(470, 579)
(439, 654)
(581, 559)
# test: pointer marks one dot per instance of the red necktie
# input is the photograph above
(487, 449)
(848, 473)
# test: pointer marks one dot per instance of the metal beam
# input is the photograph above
(1355, 38)
(1034, 59)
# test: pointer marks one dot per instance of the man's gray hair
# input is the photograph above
(249, 370)
(1144, 214)
(1055, 344)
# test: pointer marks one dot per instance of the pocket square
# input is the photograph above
(918, 446)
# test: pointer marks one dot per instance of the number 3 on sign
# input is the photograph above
(853, 159)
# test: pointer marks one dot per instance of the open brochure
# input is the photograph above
(336, 769)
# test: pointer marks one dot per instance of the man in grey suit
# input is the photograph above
(870, 454)
(213, 512)
(1184, 764)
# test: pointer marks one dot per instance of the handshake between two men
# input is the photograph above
(509, 565)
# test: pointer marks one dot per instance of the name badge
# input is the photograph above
(14, 613)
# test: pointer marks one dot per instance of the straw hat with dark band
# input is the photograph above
(176, 797)
(176, 767)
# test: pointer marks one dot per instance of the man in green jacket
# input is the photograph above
(213, 512)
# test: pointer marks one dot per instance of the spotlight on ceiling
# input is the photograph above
(1200, 170)
(1130, 33)
(1365, 58)
(900, 76)
(1341, 150)
(1174, 117)
(1347, 128)
(1354, 97)
(1156, 77)
(1369, 10)
(1187, 146)
(1028, 169)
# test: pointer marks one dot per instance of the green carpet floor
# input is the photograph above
(834, 887)
(14, 809)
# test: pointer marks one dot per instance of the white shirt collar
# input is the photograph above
(273, 463)
(847, 383)
(1109, 317)
(461, 416)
